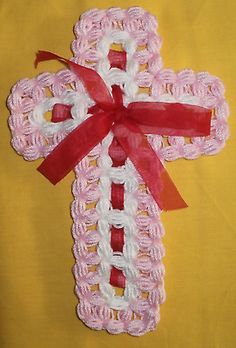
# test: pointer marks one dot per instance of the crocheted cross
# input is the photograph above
(113, 211)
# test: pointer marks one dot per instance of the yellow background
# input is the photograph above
(37, 299)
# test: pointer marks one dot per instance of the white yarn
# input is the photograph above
(111, 76)
(79, 112)
(118, 218)
(119, 175)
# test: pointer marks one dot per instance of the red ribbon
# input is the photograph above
(129, 125)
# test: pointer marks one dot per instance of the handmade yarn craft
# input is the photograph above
(116, 116)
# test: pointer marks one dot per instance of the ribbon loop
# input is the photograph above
(173, 119)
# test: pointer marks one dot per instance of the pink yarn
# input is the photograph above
(142, 315)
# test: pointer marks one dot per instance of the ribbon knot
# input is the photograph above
(129, 126)
(120, 114)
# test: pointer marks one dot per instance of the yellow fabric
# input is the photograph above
(37, 299)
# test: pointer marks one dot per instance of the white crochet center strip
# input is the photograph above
(120, 175)
(126, 175)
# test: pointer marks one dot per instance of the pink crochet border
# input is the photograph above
(142, 315)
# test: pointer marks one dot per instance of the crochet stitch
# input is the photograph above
(137, 262)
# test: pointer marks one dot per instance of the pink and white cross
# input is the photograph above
(116, 245)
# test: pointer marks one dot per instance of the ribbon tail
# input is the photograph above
(72, 149)
(149, 166)
(46, 55)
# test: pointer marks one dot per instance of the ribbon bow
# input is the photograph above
(129, 126)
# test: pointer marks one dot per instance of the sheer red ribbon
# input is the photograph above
(129, 125)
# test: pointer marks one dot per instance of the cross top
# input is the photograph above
(114, 210)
